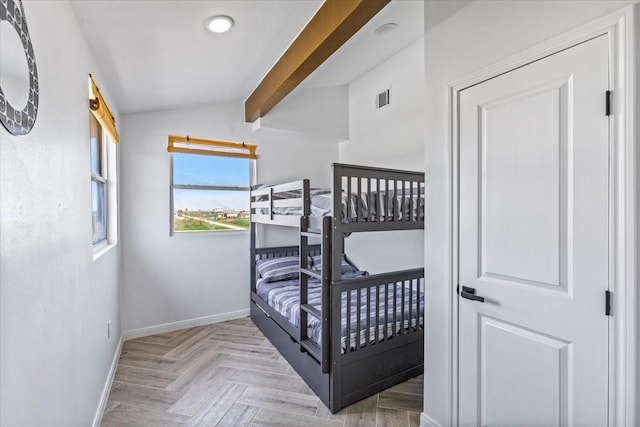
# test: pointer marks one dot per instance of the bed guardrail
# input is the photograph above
(273, 204)
(377, 199)
(363, 199)
(378, 309)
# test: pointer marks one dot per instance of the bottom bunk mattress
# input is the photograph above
(396, 302)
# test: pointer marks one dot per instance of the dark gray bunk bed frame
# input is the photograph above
(343, 376)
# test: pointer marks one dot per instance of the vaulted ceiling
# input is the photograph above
(157, 55)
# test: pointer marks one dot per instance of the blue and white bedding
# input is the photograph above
(284, 297)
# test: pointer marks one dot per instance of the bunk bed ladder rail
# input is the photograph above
(322, 352)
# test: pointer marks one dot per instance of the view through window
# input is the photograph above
(209, 193)
(98, 181)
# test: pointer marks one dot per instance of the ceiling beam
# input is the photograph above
(332, 25)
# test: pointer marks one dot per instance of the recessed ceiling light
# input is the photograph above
(386, 28)
(219, 24)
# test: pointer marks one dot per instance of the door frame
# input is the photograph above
(624, 184)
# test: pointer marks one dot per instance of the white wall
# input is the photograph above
(637, 83)
(55, 300)
(184, 277)
(392, 137)
(479, 34)
(317, 111)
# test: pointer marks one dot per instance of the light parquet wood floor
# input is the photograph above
(228, 374)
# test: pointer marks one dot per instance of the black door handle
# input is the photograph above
(470, 293)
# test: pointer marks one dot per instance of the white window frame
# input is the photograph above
(102, 179)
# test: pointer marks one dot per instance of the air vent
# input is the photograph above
(383, 99)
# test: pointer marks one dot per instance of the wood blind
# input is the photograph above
(211, 147)
(101, 112)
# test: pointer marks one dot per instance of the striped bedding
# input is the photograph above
(283, 296)
(374, 206)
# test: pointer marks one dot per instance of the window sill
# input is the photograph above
(101, 249)
(180, 234)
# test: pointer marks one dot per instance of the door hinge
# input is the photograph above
(608, 103)
(607, 303)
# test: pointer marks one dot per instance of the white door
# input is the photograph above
(534, 230)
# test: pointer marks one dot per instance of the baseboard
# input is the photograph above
(182, 324)
(427, 421)
(107, 385)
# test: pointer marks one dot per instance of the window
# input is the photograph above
(209, 190)
(103, 137)
(98, 182)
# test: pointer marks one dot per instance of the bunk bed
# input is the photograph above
(349, 334)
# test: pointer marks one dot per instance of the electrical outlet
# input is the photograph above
(109, 329)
